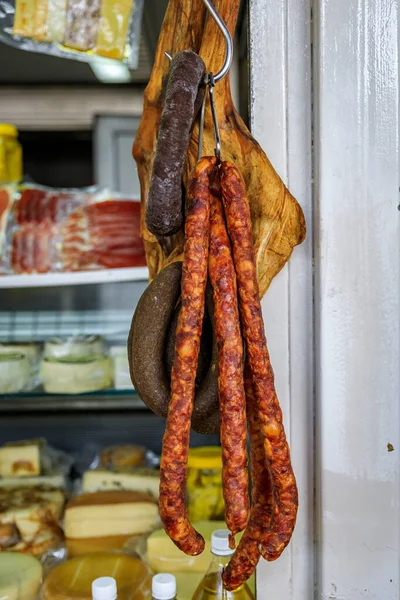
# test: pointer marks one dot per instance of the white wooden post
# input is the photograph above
(280, 106)
(357, 299)
(354, 236)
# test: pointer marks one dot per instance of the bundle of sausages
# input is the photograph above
(236, 391)
(219, 246)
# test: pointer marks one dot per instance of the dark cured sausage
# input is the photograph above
(232, 400)
(187, 345)
(245, 559)
(283, 481)
(164, 205)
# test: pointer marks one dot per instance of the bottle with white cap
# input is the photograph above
(163, 587)
(212, 587)
(104, 588)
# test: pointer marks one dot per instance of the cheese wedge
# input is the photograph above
(105, 514)
(72, 579)
(20, 576)
(32, 511)
(102, 480)
(20, 460)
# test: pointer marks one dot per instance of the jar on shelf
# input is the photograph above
(204, 484)
(10, 154)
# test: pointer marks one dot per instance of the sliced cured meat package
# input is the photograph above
(68, 230)
(103, 235)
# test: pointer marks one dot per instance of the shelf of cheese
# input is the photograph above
(74, 278)
(106, 400)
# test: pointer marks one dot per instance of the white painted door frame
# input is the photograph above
(346, 544)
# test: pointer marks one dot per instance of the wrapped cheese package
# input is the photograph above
(86, 30)
(50, 230)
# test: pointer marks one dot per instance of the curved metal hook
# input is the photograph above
(228, 39)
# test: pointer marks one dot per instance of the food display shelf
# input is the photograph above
(75, 278)
(107, 400)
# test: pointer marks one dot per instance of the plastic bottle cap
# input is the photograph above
(220, 542)
(104, 588)
(8, 130)
(163, 586)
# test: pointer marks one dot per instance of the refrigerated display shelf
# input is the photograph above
(107, 400)
(76, 278)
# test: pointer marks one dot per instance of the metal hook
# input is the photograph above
(211, 84)
(228, 39)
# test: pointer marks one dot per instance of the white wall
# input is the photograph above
(280, 109)
(355, 226)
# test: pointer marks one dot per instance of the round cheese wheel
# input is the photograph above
(79, 345)
(76, 374)
(20, 576)
(15, 372)
(30, 349)
(73, 579)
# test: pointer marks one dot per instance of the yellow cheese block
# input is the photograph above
(100, 479)
(24, 19)
(103, 514)
(20, 576)
(72, 580)
(114, 23)
(20, 460)
(40, 32)
(164, 557)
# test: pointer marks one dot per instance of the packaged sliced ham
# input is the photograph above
(47, 230)
(103, 235)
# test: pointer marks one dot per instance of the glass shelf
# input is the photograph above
(104, 400)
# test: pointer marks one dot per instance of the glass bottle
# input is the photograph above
(163, 587)
(211, 587)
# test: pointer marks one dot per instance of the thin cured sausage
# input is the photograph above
(276, 447)
(232, 400)
(245, 559)
(187, 345)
